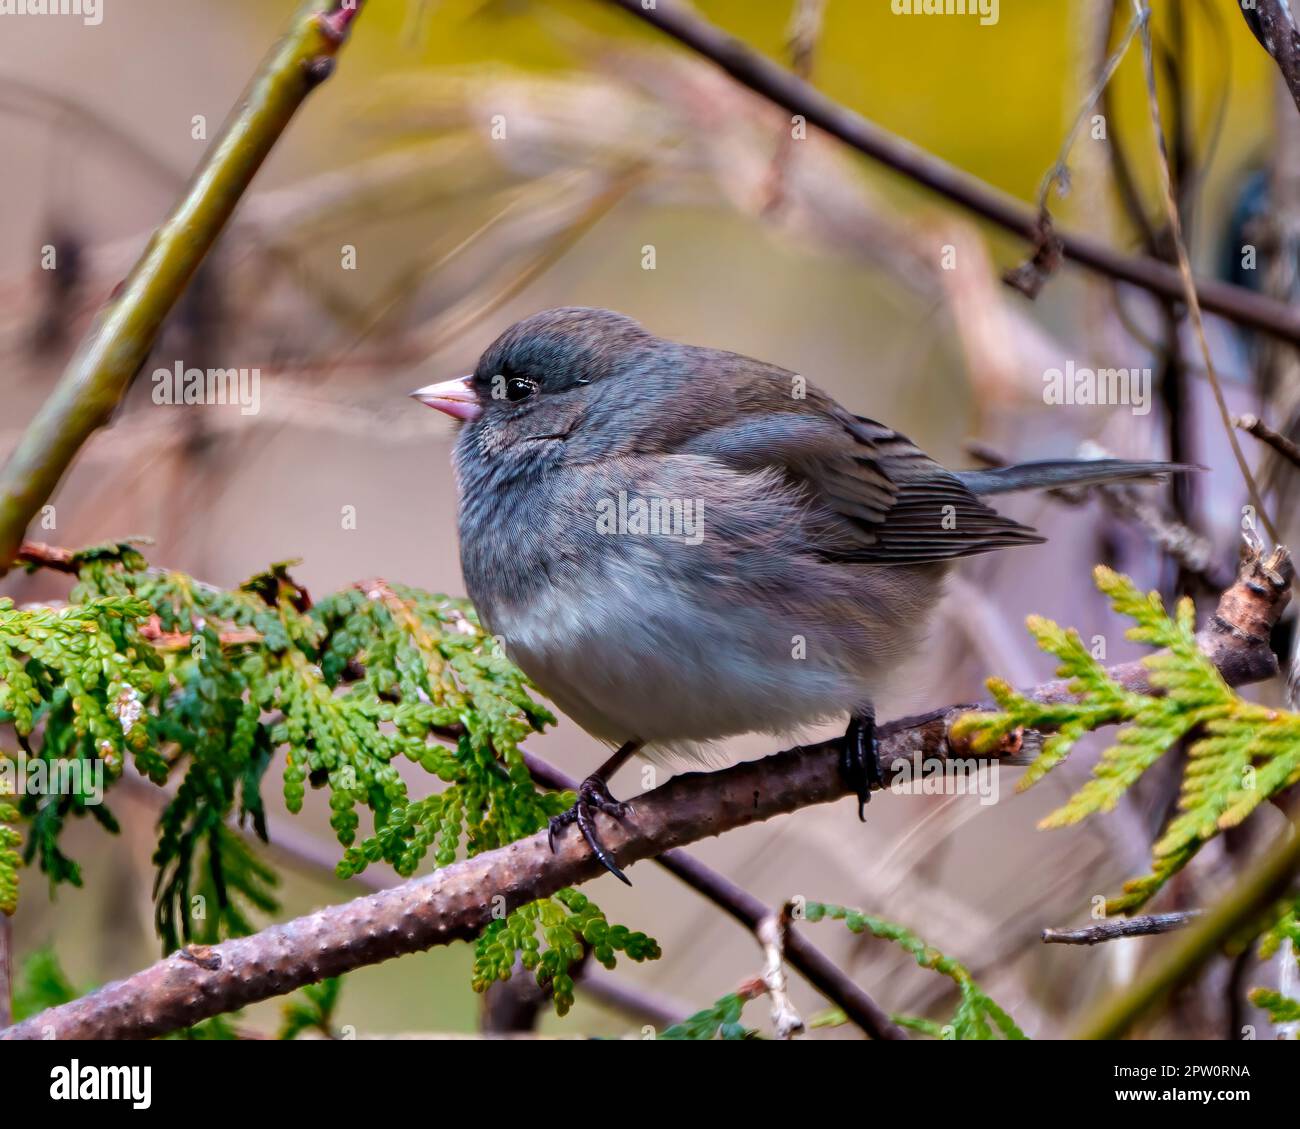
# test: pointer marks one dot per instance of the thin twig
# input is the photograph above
(39, 555)
(805, 29)
(788, 90)
(1251, 895)
(1265, 434)
(1185, 269)
(1059, 173)
(1144, 926)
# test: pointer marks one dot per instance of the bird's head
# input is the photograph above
(550, 381)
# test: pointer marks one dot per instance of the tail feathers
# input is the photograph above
(1049, 473)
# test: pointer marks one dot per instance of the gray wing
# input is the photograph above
(883, 499)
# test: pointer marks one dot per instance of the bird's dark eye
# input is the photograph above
(519, 387)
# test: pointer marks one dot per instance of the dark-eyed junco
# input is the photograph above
(678, 544)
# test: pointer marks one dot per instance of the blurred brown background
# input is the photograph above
(615, 144)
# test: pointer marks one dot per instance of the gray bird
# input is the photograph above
(679, 544)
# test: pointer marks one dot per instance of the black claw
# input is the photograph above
(593, 796)
(860, 759)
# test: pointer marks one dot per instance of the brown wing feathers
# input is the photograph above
(909, 509)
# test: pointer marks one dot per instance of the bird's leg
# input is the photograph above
(860, 757)
(593, 796)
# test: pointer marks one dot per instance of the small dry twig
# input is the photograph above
(1145, 926)
(771, 935)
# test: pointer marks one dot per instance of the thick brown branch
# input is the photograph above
(1271, 22)
(457, 902)
(788, 90)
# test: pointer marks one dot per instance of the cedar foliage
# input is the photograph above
(203, 688)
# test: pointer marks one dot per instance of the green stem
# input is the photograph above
(1250, 897)
(119, 343)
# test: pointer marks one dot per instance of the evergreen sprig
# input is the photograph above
(10, 859)
(571, 924)
(1280, 1008)
(1240, 753)
(721, 1020)
(313, 1009)
(977, 1016)
(1286, 929)
(204, 687)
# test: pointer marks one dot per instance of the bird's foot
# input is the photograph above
(593, 796)
(860, 759)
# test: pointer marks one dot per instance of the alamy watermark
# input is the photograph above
(90, 11)
(987, 10)
(939, 776)
(95, 1083)
(21, 775)
(181, 385)
(655, 516)
(1115, 387)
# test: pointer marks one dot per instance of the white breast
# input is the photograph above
(626, 660)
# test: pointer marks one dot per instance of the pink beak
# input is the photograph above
(455, 397)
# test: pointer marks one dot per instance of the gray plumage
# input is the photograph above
(1050, 473)
(823, 537)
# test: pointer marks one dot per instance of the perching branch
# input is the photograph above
(1030, 277)
(117, 347)
(788, 90)
(817, 968)
(456, 903)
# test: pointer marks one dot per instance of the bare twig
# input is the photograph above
(1265, 434)
(457, 902)
(109, 358)
(1030, 276)
(788, 90)
(1185, 269)
(1144, 926)
(1059, 174)
(805, 29)
(1251, 895)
